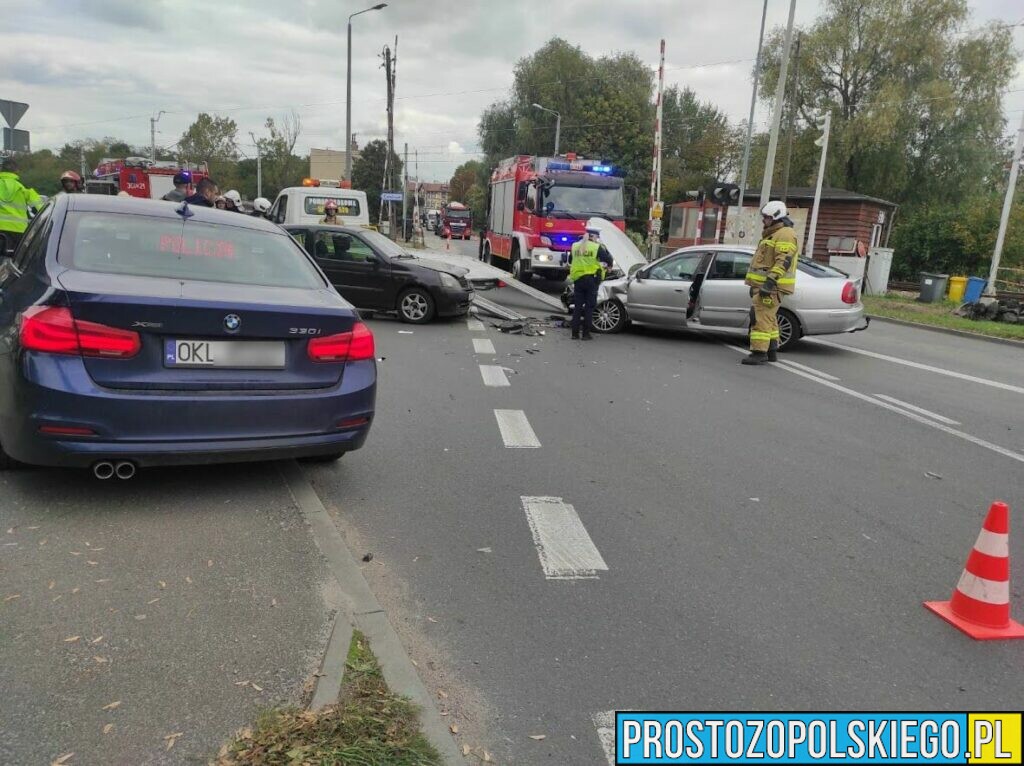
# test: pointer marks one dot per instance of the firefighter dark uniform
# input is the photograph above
(772, 274)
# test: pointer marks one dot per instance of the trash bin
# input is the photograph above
(933, 287)
(975, 287)
(957, 285)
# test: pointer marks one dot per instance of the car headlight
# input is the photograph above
(543, 256)
(447, 280)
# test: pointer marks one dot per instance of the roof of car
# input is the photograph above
(326, 226)
(102, 203)
(704, 248)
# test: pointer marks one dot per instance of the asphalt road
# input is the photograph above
(145, 606)
(636, 522)
(739, 538)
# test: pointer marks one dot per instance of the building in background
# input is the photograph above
(433, 196)
(848, 222)
(330, 163)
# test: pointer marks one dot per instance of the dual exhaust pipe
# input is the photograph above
(105, 469)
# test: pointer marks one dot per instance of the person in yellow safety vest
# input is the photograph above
(588, 260)
(15, 202)
(772, 274)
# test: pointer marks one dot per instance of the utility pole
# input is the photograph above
(794, 95)
(405, 193)
(386, 180)
(259, 165)
(823, 143)
(152, 134)
(81, 158)
(993, 272)
(780, 93)
(416, 228)
(653, 222)
(753, 103)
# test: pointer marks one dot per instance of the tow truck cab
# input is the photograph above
(539, 207)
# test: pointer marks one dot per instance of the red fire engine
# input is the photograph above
(539, 207)
(456, 221)
(139, 177)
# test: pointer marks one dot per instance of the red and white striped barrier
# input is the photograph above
(980, 604)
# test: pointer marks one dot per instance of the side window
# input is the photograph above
(302, 237)
(677, 269)
(282, 209)
(34, 241)
(730, 266)
(531, 199)
(356, 251)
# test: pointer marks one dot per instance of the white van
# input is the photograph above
(305, 204)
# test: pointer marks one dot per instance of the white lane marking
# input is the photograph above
(605, 725)
(905, 413)
(483, 346)
(919, 366)
(475, 325)
(493, 375)
(811, 370)
(920, 410)
(564, 548)
(516, 430)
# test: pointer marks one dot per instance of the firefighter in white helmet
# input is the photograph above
(260, 207)
(772, 274)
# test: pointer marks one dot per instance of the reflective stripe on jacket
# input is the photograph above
(776, 258)
(15, 202)
(584, 260)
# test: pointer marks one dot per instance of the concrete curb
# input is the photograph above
(948, 331)
(364, 612)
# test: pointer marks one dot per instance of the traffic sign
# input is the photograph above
(656, 225)
(16, 140)
(12, 111)
(391, 196)
(659, 209)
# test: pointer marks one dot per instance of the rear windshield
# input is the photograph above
(346, 206)
(143, 246)
(816, 269)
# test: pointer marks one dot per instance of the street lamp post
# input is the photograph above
(558, 123)
(348, 92)
(152, 134)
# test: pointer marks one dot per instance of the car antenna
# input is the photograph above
(184, 211)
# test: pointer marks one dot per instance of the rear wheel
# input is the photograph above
(789, 329)
(416, 306)
(330, 457)
(610, 316)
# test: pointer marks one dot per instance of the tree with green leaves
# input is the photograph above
(605, 104)
(368, 173)
(463, 179)
(213, 140)
(281, 167)
(915, 97)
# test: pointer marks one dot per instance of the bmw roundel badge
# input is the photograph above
(232, 322)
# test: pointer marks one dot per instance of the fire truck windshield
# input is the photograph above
(457, 213)
(583, 200)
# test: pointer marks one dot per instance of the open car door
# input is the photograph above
(723, 300)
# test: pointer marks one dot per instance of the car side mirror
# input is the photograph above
(635, 269)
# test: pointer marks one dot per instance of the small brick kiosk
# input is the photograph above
(845, 219)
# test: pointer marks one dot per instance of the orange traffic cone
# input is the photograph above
(980, 605)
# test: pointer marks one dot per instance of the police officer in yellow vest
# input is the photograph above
(588, 261)
(772, 274)
(15, 202)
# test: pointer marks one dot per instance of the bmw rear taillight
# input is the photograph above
(53, 330)
(352, 346)
(849, 293)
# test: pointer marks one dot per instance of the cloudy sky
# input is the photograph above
(92, 68)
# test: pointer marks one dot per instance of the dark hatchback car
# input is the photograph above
(375, 274)
(140, 332)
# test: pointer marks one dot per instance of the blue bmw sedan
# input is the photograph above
(140, 333)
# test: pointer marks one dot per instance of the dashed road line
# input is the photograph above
(475, 325)
(905, 413)
(564, 548)
(516, 431)
(921, 410)
(493, 375)
(604, 722)
(483, 346)
(919, 366)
